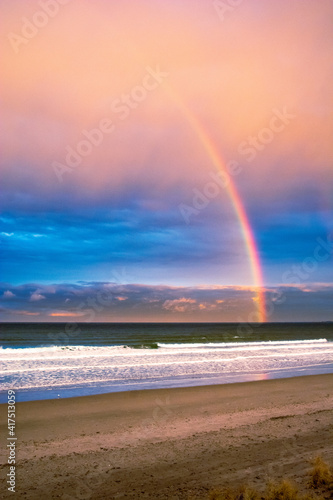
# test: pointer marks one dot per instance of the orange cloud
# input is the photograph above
(66, 314)
(26, 313)
(179, 305)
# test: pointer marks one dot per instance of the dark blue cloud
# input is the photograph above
(74, 242)
(52, 232)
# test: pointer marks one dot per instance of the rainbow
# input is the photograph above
(248, 235)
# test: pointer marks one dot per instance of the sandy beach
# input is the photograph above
(170, 443)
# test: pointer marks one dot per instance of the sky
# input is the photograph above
(166, 161)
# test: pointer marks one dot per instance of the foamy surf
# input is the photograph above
(123, 368)
(239, 344)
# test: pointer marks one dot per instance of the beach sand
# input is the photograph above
(170, 443)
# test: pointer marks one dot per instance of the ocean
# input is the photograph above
(57, 360)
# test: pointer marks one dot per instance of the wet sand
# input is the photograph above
(170, 443)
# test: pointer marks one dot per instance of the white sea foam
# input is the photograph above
(82, 350)
(241, 344)
(79, 366)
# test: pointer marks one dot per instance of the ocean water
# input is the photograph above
(56, 360)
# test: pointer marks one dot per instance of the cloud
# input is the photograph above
(99, 301)
(91, 238)
(36, 296)
(179, 305)
(118, 206)
(8, 294)
(24, 313)
(222, 81)
(65, 314)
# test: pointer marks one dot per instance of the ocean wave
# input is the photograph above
(157, 345)
(57, 366)
(239, 344)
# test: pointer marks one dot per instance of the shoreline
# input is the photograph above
(175, 390)
(27, 395)
(169, 443)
